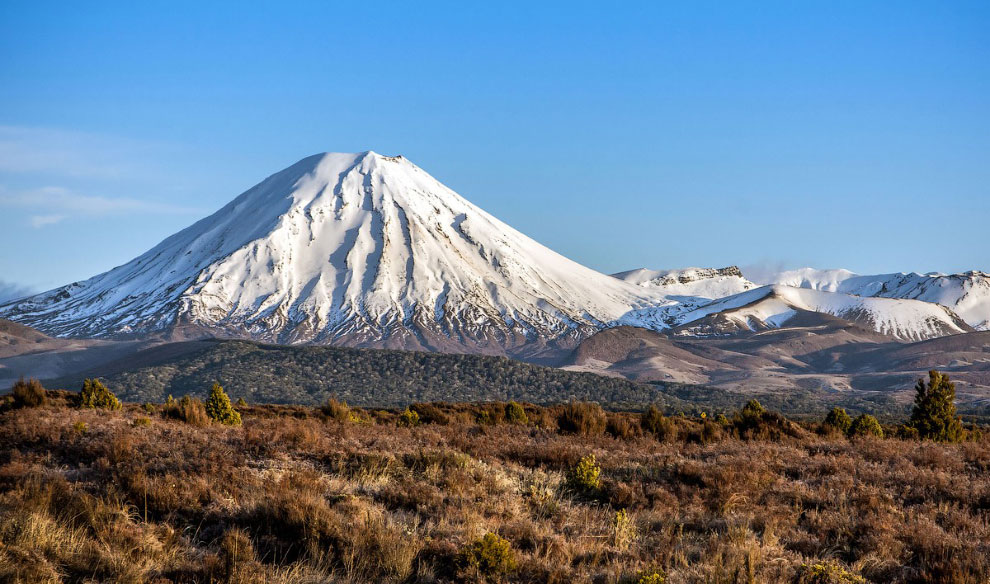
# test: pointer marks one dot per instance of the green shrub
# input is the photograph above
(28, 394)
(838, 419)
(80, 427)
(515, 413)
(582, 418)
(490, 557)
(754, 422)
(586, 475)
(218, 407)
(866, 425)
(96, 395)
(753, 410)
(149, 408)
(409, 418)
(721, 420)
(907, 432)
(652, 578)
(828, 572)
(241, 402)
(142, 421)
(934, 413)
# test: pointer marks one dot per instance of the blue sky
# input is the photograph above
(831, 134)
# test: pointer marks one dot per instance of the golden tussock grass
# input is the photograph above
(475, 493)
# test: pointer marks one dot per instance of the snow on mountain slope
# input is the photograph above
(812, 278)
(774, 306)
(350, 248)
(690, 285)
(967, 294)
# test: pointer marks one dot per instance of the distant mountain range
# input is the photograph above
(365, 250)
(906, 306)
(967, 294)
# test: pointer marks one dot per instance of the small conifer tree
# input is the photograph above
(218, 407)
(934, 414)
(753, 410)
(96, 395)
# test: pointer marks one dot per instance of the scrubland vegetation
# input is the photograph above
(491, 492)
(366, 377)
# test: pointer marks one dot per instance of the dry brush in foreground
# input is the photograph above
(492, 492)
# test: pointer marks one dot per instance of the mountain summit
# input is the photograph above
(356, 249)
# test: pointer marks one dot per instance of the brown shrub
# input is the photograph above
(663, 428)
(292, 499)
(711, 432)
(583, 418)
(378, 550)
(620, 426)
(188, 409)
(336, 410)
(236, 555)
(430, 414)
(28, 394)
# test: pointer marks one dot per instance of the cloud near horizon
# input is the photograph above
(67, 153)
(54, 204)
(39, 221)
(12, 291)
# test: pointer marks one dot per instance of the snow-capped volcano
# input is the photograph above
(348, 248)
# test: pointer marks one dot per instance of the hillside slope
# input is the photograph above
(367, 377)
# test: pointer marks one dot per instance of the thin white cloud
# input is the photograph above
(765, 271)
(11, 291)
(39, 221)
(69, 153)
(52, 204)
